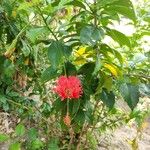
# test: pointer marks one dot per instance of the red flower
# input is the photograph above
(68, 87)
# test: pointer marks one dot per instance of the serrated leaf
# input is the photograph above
(3, 137)
(130, 93)
(119, 37)
(90, 35)
(20, 130)
(48, 74)
(108, 98)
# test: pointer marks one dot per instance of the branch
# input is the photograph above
(46, 23)
(139, 75)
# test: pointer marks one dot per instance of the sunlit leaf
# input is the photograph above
(15, 146)
(108, 83)
(112, 69)
(3, 137)
(76, 3)
(119, 37)
(20, 130)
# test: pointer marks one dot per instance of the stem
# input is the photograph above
(95, 12)
(46, 23)
(81, 135)
(71, 138)
(64, 69)
(67, 106)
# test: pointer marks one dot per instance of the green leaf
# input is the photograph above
(3, 137)
(80, 117)
(76, 105)
(53, 144)
(145, 89)
(9, 68)
(15, 146)
(116, 54)
(46, 109)
(57, 52)
(108, 98)
(92, 140)
(24, 6)
(87, 69)
(37, 144)
(25, 49)
(108, 83)
(58, 105)
(125, 11)
(70, 69)
(98, 65)
(32, 134)
(35, 33)
(90, 35)
(119, 37)
(20, 130)
(123, 7)
(77, 3)
(48, 74)
(130, 94)
(126, 3)
(3, 99)
(103, 3)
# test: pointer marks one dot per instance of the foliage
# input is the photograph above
(40, 40)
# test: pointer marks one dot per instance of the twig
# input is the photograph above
(71, 138)
(46, 23)
(80, 136)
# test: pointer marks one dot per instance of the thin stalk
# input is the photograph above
(67, 106)
(46, 23)
(95, 13)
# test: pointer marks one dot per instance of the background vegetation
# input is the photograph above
(41, 40)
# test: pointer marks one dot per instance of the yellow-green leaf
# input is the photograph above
(112, 69)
